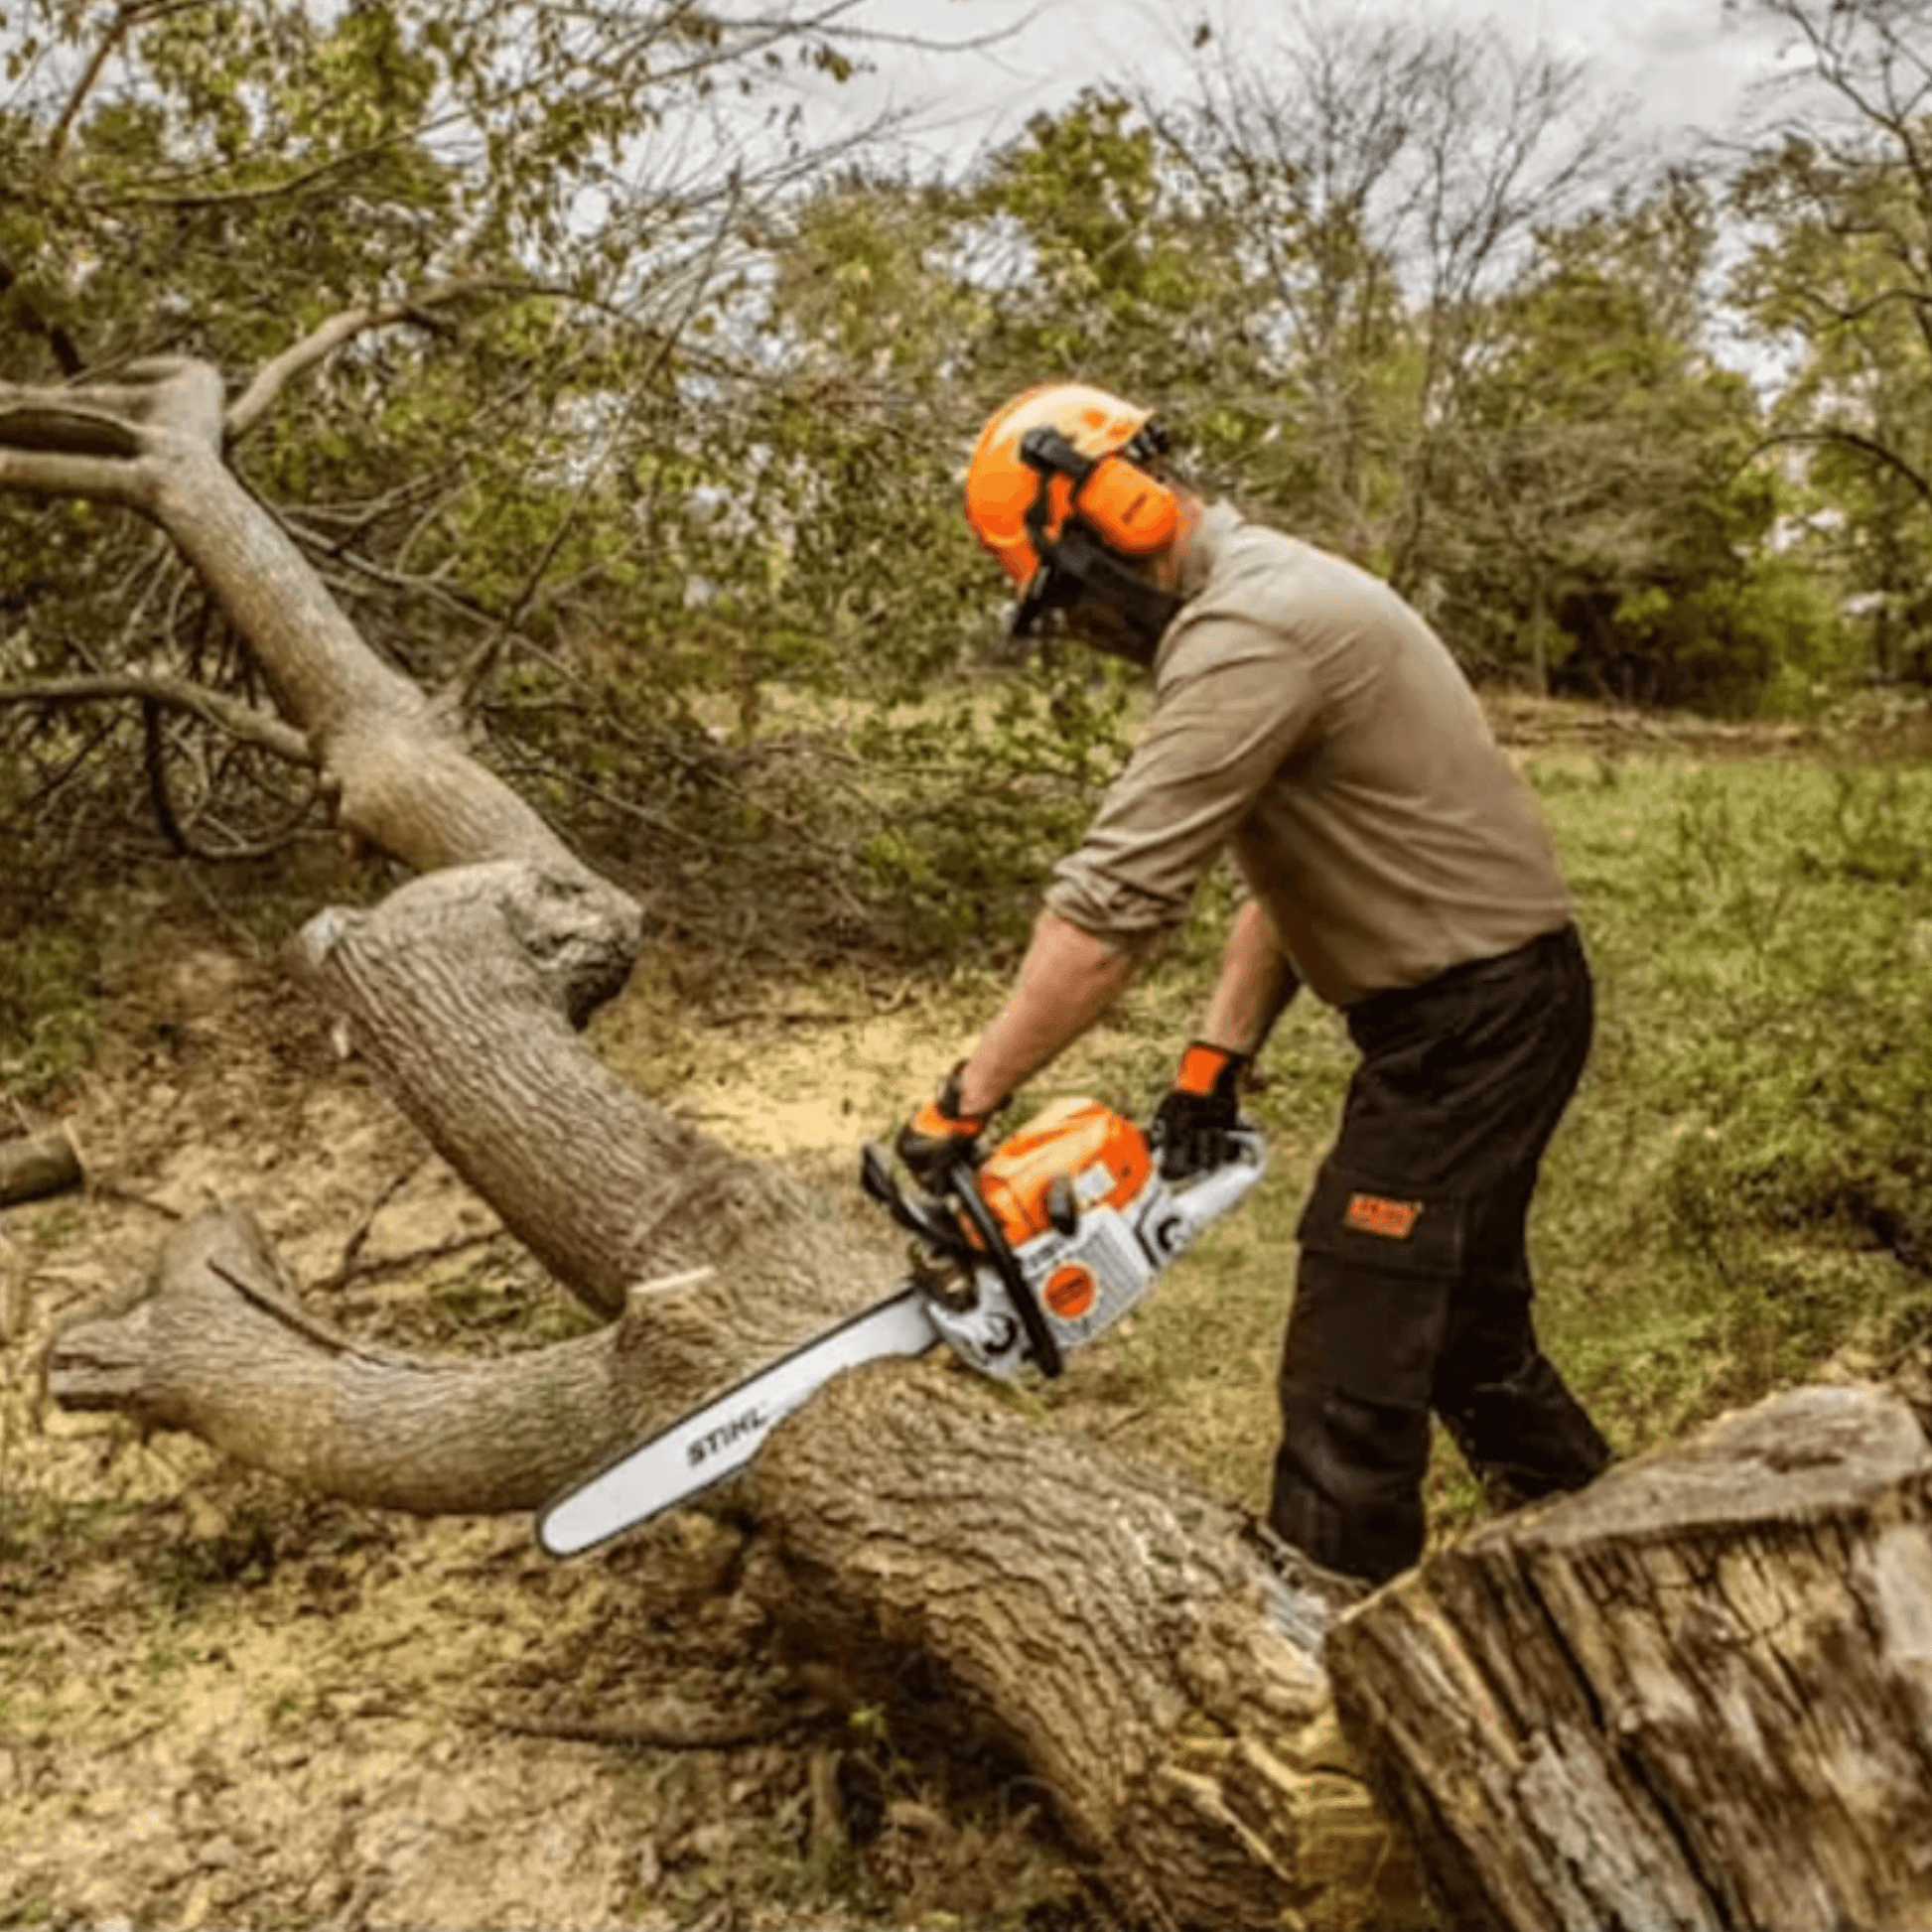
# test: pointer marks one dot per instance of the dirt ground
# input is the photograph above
(222, 1704)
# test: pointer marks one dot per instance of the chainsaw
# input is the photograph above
(1045, 1245)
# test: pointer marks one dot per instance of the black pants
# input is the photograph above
(1414, 1288)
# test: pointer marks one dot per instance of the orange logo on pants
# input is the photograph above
(1395, 1220)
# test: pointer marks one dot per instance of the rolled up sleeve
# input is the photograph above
(1231, 705)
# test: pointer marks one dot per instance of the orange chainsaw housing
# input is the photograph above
(1103, 1154)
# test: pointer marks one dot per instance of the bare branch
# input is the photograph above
(181, 829)
(240, 721)
(133, 14)
(258, 398)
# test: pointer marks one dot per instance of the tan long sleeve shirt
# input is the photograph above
(1308, 721)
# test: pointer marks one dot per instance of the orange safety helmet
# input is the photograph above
(1056, 469)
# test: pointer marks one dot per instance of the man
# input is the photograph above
(1310, 723)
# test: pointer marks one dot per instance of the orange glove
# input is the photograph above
(939, 1138)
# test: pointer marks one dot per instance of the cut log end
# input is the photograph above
(37, 1165)
(99, 1363)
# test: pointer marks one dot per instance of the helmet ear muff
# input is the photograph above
(1129, 510)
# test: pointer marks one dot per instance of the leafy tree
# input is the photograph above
(1611, 525)
(1838, 189)
(504, 277)
(1093, 264)
(981, 766)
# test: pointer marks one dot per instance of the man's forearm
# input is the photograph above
(1255, 984)
(1067, 980)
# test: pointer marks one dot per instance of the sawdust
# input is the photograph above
(223, 1703)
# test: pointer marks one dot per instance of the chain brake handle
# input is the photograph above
(920, 1217)
(942, 1232)
(1046, 1349)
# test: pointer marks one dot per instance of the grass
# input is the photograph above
(72, 952)
(1748, 1160)
(49, 1008)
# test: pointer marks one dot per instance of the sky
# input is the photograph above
(1682, 63)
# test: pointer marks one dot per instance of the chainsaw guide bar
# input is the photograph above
(717, 1441)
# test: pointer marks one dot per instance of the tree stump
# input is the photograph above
(1696, 1695)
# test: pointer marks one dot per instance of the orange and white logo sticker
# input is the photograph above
(1394, 1220)
(1069, 1292)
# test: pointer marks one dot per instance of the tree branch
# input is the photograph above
(133, 14)
(161, 398)
(217, 1343)
(1918, 299)
(1866, 446)
(256, 400)
(104, 479)
(238, 720)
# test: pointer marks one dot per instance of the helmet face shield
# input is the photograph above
(1043, 603)
(1096, 600)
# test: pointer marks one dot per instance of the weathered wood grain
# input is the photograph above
(1698, 1695)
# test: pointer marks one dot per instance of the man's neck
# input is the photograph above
(1171, 566)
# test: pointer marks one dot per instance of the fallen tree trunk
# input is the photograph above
(1183, 1732)
(1695, 1698)
(1138, 1646)
(34, 1166)
(1177, 1707)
